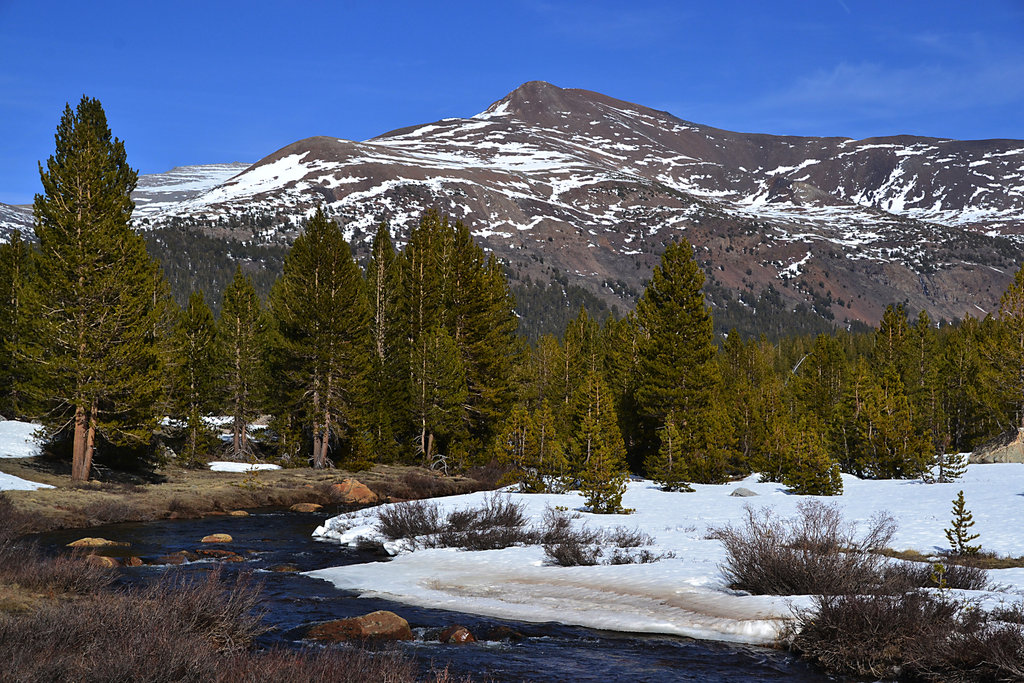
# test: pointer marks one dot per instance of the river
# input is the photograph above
(548, 652)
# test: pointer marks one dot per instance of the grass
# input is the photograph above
(196, 493)
(982, 560)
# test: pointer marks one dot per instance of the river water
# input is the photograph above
(548, 652)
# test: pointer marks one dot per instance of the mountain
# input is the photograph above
(577, 188)
(155, 193)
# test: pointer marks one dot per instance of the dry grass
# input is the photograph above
(178, 629)
(195, 493)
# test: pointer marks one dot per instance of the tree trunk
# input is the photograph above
(78, 469)
(90, 440)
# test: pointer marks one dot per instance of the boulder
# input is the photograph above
(502, 633)
(456, 635)
(217, 538)
(1007, 447)
(741, 492)
(102, 561)
(380, 625)
(133, 562)
(180, 557)
(306, 507)
(222, 555)
(352, 492)
(238, 513)
(90, 542)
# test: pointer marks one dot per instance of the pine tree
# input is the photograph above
(1008, 353)
(322, 327)
(195, 367)
(242, 338)
(597, 454)
(387, 377)
(16, 328)
(439, 398)
(98, 305)
(810, 471)
(669, 469)
(968, 399)
(676, 370)
(958, 534)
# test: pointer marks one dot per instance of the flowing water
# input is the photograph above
(548, 651)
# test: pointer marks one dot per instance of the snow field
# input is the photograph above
(17, 439)
(685, 595)
(224, 466)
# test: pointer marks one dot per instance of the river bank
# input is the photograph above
(186, 494)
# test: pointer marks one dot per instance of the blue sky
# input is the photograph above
(202, 82)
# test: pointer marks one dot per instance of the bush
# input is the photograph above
(569, 546)
(815, 553)
(912, 636)
(178, 629)
(499, 523)
(409, 520)
(13, 522)
(25, 565)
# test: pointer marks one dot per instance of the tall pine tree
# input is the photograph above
(677, 375)
(322, 325)
(242, 338)
(195, 365)
(98, 310)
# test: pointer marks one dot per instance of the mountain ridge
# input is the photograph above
(569, 185)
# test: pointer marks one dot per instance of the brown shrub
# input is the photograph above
(912, 636)
(567, 545)
(25, 565)
(349, 665)
(109, 511)
(815, 553)
(13, 522)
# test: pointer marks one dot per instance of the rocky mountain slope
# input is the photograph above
(576, 187)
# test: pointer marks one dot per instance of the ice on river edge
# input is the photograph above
(685, 595)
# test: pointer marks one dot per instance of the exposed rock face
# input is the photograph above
(353, 492)
(1006, 448)
(217, 538)
(380, 625)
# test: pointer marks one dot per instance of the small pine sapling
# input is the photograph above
(959, 535)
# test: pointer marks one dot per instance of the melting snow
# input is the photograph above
(684, 595)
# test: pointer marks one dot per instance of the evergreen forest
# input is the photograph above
(417, 355)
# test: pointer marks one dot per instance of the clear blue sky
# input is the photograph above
(201, 82)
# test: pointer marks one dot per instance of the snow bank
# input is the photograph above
(9, 482)
(221, 466)
(684, 595)
(17, 440)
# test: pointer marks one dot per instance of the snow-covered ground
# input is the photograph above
(17, 439)
(223, 466)
(9, 482)
(684, 595)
